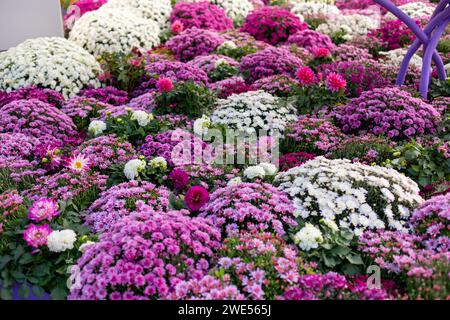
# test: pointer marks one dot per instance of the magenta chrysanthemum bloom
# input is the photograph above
(146, 255)
(176, 27)
(179, 178)
(321, 52)
(164, 84)
(36, 236)
(43, 209)
(311, 39)
(272, 24)
(196, 197)
(335, 82)
(254, 207)
(109, 95)
(203, 15)
(306, 76)
(32, 92)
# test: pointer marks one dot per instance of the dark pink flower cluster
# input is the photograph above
(194, 42)
(294, 159)
(388, 111)
(394, 34)
(37, 119)
(311, 39)
(145, 256)
(105, 151)
(202, 15)
(269, 62)
(250, 207)
(109, 95)
(49, 96)
(120, 200)
(277, 85)
(227, 87)
(272, 24)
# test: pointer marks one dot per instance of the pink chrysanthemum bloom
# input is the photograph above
(321, 52)
(306, 76)
(177, 27)
(43, 209)
(78, 163)
(180, 178)
(36, 236)
(164, 84)
(196, 198)
(335, 82)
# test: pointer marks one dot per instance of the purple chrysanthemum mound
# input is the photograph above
(250, 207)
(269, 62)
(194, 42)
(278, 85)
(49, 96)
(81, 109)
(108, 95)
(273, 25)
(176, 71)
(37, 119)
(146, 254)
(388, 111)
(17, 145)
(105, 151)
(120, 201)
(431, 221)
(311, 39)
(202, 15)
(171, 145)
(207, 63)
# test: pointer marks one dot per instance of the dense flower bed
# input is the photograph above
(224, 149)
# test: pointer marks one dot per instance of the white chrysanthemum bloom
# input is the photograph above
(269, 168)
(84, 246)
(155, 10)
(237, 10)
(313, 9)
(53, 63)
(254, 172)
(395, 57)
(234, 181)
(309, 237)
(415, 10)
(331, 224)
(202, 125)
(350, 194)
(447, 68)
(143, 118)
(312, 1)
(60, 241)
(219, 62)
(351, 25)
(133, 168)
(97, 127)
(115, 30)
(158, 163)
(252, 111)
(228, 45)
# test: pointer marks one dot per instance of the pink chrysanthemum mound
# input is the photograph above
(37, 119)
(388, 111)
(250, 207)
(203, 15)
(120, 201)
(194, 42)
(145, 256)
(273, 25)
(311, 39)
(32, 92)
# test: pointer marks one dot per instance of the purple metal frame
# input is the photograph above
(428, 38)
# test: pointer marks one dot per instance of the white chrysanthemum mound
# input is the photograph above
(395, 57)
(53, 63)
(312, 1)
(353, 195)
(350, 26)
(314, 9)
(235, 9)
(115, 30)
(155, 10)
(415, 10)
(253, 110)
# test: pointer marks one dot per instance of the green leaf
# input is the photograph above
(24, 290)
(350, 269)
(6, 294)
(355, 259)
(4, 261)
(330, 262)
(340, 250)
(38, 291)
(59, 293)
